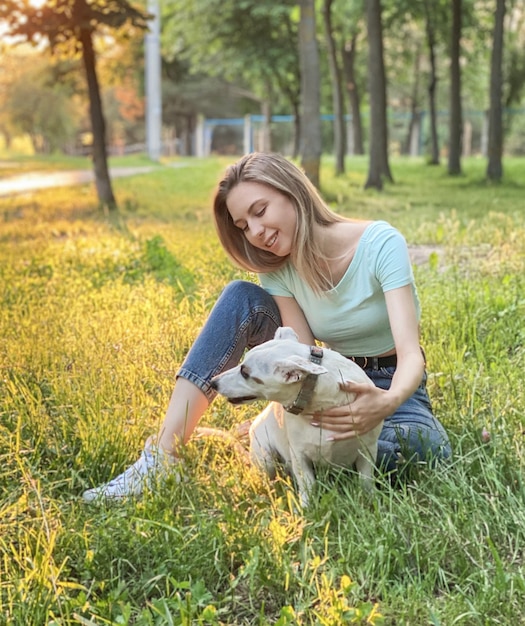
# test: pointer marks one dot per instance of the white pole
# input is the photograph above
(153, 83)
(200, 148)
(247, 135)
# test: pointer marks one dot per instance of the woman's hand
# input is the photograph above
(368, 408)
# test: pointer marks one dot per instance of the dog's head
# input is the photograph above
(272, 371)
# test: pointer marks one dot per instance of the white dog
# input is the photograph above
(290, 374)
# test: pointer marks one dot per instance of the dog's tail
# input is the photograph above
(236, 437)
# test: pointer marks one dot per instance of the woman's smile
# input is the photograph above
(272, 240)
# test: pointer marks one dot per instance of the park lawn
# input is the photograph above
(97, 314)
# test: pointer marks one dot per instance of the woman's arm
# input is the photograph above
(292, 315)
(405, 330)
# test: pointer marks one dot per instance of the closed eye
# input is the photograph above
(245, 373)
(258, 213)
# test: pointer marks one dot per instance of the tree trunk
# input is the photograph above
(495, 145)
(7, 137)
(294, 100)
(189, 131)
(293, 94)
(295, 104)
(98, 127)
(379, 167)
(297, 131)
(349, 53)
(414, 125)
(432, 85)
(35, 143)
(310, 93)
(337, 93)
(455, 122)
(266, 109)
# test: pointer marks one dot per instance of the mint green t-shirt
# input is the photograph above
(352, 317)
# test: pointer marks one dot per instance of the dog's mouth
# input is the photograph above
(242, 399)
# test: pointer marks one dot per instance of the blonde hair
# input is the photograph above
(277, 172)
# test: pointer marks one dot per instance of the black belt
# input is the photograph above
(374, 362)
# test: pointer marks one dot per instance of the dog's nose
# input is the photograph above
(214, 385)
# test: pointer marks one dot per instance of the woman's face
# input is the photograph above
(267, 218)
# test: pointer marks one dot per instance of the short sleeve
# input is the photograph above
(393, 265)
(274, 284)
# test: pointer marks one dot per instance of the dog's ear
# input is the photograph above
(295, 368)
(285, 332)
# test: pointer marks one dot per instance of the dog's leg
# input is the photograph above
(303, 472)
(268, 442)
(366, 466)
(262, 456)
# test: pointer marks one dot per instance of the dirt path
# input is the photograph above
(419, 255)
(45, 180)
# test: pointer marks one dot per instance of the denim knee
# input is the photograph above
(412, 434)
(245, 315)
(412, 442)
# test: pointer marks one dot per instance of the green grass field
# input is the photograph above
(96, 316)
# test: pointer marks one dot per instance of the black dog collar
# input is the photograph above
(305, 394)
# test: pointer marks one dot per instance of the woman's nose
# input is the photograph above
(257, 229)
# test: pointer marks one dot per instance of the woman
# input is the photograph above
(346, 283)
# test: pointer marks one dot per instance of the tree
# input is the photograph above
(515, 66)
(39, 102)
(378, 167)
(455, 122)
(349, 52)
(337, 92)
(430, 30)
(414, 124)
(495, 145)
(70, 25)
(351, 15)
(310, 93)
(253, 44)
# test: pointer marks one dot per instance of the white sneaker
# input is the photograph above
(153, 463)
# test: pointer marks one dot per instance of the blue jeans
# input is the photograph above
(245, 315)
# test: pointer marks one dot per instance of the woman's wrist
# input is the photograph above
(393, 400)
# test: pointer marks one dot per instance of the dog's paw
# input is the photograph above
(285, 332)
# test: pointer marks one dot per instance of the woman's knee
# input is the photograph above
(415, 443)
(429, 445)
(244, 290)
(254, 306)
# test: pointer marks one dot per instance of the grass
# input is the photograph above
(95, 319)
(20, 164)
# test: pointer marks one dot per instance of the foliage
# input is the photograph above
(222, 58)
(69, 25)
(60, 22)
(40, 100)
(249, 40)
(95, 318)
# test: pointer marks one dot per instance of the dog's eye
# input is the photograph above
(244, 373)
